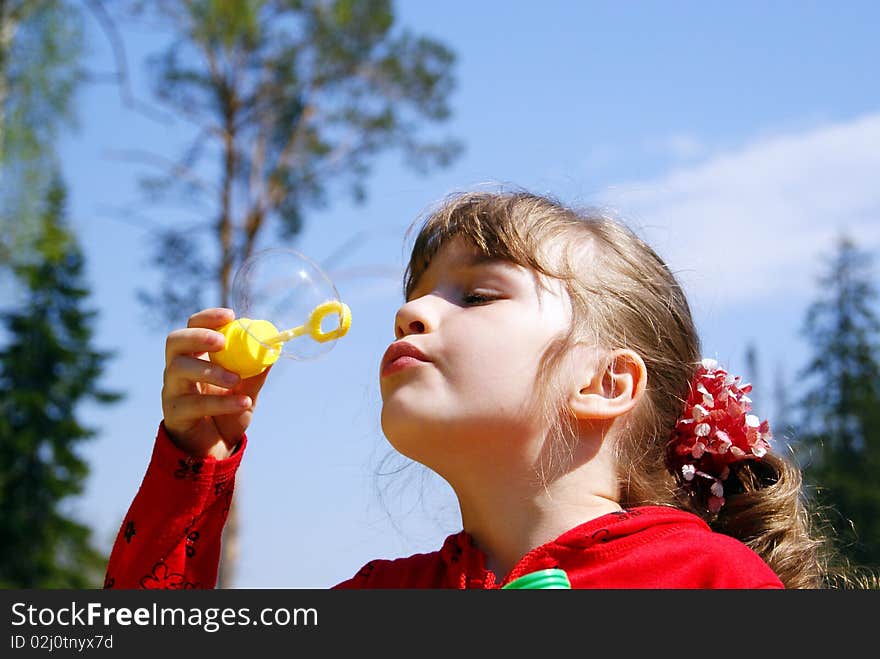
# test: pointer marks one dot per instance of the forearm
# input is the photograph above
(170, 536)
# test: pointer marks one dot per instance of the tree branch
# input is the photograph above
(121, 76)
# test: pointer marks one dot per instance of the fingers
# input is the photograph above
(184, 371)
(200, 335)
(211, 318)
(183, 411)
(192, 342)
(198, 395)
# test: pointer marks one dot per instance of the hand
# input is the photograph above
(206, 408)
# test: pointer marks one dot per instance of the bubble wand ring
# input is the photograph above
(313, 326)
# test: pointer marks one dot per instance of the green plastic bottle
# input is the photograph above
(541, 579)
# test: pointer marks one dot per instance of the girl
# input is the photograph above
(546, 365)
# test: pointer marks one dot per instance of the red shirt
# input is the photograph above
(170, 538)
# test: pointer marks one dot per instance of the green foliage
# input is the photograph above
(288, 98)
(841, 404)
(40, 42)
(47, 367)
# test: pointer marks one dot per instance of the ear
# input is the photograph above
(608, 388)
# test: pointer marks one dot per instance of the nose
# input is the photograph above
(411, 318)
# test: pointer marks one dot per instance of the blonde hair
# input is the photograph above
(625, 296)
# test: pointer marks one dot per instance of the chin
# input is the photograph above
(410, 435)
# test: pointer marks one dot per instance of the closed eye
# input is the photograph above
(475, 299)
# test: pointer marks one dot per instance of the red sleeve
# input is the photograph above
(170, 537)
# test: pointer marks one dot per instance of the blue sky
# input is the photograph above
(739, 138)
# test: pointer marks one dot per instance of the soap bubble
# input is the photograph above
(284, 287)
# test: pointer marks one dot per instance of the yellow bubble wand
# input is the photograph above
(254, 345)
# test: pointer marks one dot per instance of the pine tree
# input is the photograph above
(47, 367)
(783, 424)
(754, 376)
(841, 406)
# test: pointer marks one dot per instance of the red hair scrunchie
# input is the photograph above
(715, 431)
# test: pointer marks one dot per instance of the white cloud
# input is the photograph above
(756, 223)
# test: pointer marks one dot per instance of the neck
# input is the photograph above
(509, 516)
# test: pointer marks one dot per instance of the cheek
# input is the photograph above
(499, 379)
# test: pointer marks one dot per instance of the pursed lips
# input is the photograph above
(400, 355)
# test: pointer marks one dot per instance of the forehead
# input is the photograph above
(548, 258)
(457, 252)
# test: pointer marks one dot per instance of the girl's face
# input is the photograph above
(461, 378)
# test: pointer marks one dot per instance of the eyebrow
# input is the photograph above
(475, 260)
